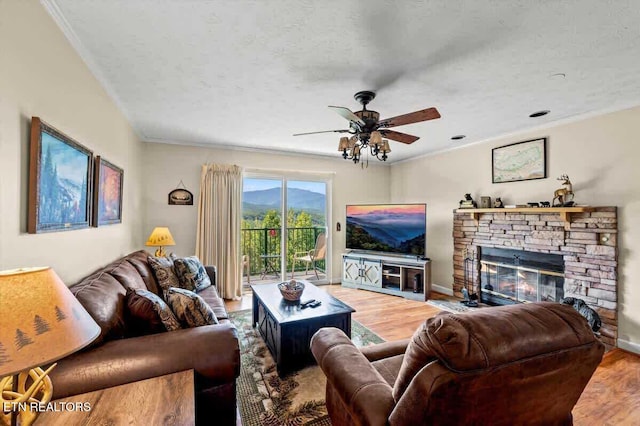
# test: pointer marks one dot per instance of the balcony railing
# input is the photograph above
(263, 245)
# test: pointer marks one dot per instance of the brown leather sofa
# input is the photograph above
(114, 358)
(518, 364)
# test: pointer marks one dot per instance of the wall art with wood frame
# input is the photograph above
(107, 193)
(518, 161)
(60, 175)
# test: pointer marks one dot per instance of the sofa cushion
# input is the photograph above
(143, 317)
(191, 273)
(140, 261)
(104, 298)
(190, 309)
(164, 272)
(417, 355)
(389, 368)
(210, 295)
(128, 276)
(148, 313)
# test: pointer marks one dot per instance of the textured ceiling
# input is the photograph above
(252, 73)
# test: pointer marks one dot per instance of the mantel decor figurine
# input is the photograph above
(497, 203)
(564, 195)
(468, 202)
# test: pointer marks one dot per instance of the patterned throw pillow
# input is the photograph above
(191, 273)
(164, 272)
(149, 313)
(190, 309)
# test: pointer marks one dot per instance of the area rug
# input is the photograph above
(264, 398)
(454, 305)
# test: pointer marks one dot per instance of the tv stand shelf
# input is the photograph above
(387, 274)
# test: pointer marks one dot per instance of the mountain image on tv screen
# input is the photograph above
(394, 228)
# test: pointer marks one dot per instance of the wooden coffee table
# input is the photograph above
(287, 329)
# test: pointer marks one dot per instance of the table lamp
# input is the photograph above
(160, 237)
(41, 321)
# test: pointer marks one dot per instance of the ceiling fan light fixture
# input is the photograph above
(539, 113)
(344, 144)
(376, 138)
(352, 142)
(364, 127)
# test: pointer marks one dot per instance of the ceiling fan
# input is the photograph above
(368, 130)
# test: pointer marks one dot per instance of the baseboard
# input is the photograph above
(629, 346)
(440, 289)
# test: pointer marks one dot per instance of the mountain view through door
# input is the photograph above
(264, 251)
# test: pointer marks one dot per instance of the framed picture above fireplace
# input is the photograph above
(519, 161)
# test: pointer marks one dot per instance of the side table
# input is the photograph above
(164, 400)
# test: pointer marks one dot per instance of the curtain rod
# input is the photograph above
(299, 172)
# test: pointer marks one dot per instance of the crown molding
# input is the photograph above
(270, 151)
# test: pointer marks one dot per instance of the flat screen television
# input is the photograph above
(389, 228)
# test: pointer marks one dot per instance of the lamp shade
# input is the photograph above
(344, 144)
(385, 146)
(376, 138)
(41, 321)
(352, 142)
(160, 237)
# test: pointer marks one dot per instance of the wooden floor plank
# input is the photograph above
(612, 397)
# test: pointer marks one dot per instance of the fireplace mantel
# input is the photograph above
(564, 212)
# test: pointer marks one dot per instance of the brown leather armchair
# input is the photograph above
(518, 364)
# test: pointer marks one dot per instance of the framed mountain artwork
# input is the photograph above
(107, 193)
(60, 172)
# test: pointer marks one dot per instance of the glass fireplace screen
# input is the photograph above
(520, 284)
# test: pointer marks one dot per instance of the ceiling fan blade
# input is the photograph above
(323, 131)
(346, 113)
(399, 137)
(412, 117)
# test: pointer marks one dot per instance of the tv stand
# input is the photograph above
(387, 274)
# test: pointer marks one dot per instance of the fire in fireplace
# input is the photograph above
(515, 276)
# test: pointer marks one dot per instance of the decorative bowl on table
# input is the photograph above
(291, 290)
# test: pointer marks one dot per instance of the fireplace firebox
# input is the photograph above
(516, 276)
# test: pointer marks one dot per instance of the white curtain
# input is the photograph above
(219, 218)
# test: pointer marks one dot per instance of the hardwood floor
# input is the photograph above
(612, 397)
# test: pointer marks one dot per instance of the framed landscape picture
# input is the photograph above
(107, 193)
(520, 161)
(60, 171)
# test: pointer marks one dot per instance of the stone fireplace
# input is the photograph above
(540, 254)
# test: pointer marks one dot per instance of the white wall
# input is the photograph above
(599, 154)
(41, 75)
(166, 165)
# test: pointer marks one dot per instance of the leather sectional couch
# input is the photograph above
(116, 357)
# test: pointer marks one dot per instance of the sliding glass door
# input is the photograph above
(284, 229)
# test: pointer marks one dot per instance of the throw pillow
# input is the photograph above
(164, 272)
(148, 313)
(190, 309)
(191, 273)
